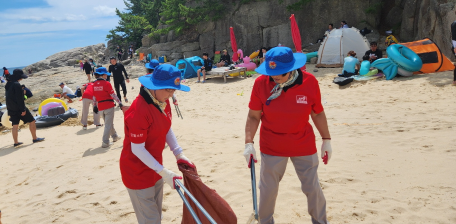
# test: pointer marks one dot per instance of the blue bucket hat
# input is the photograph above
(102, 71)
(164, 77)
(152, 64)
(280, 60)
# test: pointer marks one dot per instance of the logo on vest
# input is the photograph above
(301, 99)
(98, 88)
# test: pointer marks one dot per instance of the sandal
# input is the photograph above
(18, 144)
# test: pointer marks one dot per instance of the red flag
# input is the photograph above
(233, 44)
(296, 36)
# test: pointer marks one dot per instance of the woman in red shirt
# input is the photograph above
(282, 99)
(147, 129)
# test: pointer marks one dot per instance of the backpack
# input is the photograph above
(78, 92)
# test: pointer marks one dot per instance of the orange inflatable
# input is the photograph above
(430, 54)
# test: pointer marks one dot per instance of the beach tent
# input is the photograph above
(189, 66)
(337, 44)
(430, 54)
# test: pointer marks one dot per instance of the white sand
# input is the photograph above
(394, 149)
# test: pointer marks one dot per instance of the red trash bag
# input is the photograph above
(215, 205)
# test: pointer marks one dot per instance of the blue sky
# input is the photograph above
(31, 30)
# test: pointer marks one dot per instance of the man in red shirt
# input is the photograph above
(147, 129)
(103, 101)
(87, 100)
(283, 98)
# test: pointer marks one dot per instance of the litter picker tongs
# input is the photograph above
(254, 215)
(179, 114)
(179, 187)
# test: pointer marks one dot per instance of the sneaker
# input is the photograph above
(38, 140)
(197, 81)
(18, 144)
(126, 100)
(84, 127)
(116, 139)
(106, 145)
(100, 125)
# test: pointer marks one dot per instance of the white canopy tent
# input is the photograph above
(337, 44)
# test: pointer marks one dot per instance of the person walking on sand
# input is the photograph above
(103, 103)
(282, 99)
(87, 100)
(16, 107)
(81, 65)
(118, 71)
(147, 129)
(150, 67)
(87, 69)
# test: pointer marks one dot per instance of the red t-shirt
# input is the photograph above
(143, 123)
(285, 128)
(102, 91)
(88, 91)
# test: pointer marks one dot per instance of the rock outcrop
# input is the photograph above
(266, 23)
(429, 18)
(69, 58)
(262, 23)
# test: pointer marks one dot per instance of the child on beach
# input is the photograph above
(365, 67)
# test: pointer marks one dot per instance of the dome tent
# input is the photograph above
(337, 44)
(189, 66)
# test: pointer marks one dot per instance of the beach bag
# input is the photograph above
(342, 81)
(56, 111)
(215, 205)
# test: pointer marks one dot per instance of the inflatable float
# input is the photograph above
(311, 55)
(399, 56)
(247, 64)
(240, 53)
(50, 100)
(254, 54)
(48, 121)
(6, 122)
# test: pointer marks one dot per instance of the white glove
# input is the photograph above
(183, 157)
(326, 147)
(249, 152)
(169, 177)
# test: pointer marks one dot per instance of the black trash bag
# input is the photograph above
(342, 81)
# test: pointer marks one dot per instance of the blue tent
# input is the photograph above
(189, 66)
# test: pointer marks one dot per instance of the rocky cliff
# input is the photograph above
(266, 23)
(428, 18)
(69, 58)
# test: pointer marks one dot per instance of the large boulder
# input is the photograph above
(429, 18)
(70, 57)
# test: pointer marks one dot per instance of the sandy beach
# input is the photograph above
(394, 147)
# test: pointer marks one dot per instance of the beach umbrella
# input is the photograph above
(296, 36)
(233, 44)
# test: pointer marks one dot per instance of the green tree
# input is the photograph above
(138, 19)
